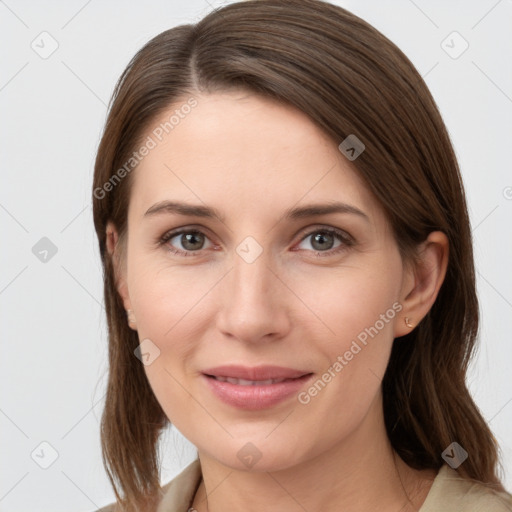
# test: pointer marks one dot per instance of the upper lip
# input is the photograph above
(255, 373)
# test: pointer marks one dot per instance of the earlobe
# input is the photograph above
(424, 282)
(114, 251)
(132, 321)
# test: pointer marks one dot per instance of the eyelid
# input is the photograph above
(342, 235)
(345, 238)
(168, 235)
(314, 228)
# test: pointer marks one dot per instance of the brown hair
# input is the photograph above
(349, 79)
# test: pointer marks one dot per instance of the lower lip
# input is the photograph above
(255, 397)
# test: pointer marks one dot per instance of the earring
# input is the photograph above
(407, 323)
(131, 317)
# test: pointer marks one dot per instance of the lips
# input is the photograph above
(245, 382)
(256, 373)
(255, 388)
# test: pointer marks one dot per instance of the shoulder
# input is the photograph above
(176, 494)
(451, 492)
(108, 508)
(180, 491)
(111, 507)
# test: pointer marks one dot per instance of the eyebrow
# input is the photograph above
(311, 210)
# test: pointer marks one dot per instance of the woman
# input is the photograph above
(289, 274)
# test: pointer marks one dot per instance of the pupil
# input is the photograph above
(189, 240)
(321, 237)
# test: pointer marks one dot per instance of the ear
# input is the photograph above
(115, 252)
(422, 282)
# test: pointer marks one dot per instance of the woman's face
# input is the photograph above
(268, 284)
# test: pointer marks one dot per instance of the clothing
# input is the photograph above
(449, 493)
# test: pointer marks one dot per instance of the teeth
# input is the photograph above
(244, 382)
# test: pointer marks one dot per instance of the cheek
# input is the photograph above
(163, 292)
(358, 308)
(349, 300)
(171, 310)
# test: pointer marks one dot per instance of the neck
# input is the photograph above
(362, 472)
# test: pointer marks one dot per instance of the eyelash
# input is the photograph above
(344, 238)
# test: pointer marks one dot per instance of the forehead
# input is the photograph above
(241, 151)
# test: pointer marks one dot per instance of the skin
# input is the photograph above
(252, 159)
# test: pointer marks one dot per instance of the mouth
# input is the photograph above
(255, 388)
(245, 382)
(255, 373)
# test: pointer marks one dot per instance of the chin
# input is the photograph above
(255, 457)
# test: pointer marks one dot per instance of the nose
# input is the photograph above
(255, 302)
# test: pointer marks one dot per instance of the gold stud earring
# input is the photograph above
(407, 323)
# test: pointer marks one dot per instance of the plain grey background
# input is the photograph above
(59, 63)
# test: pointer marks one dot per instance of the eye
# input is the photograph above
(323, 240)
(190, 240)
